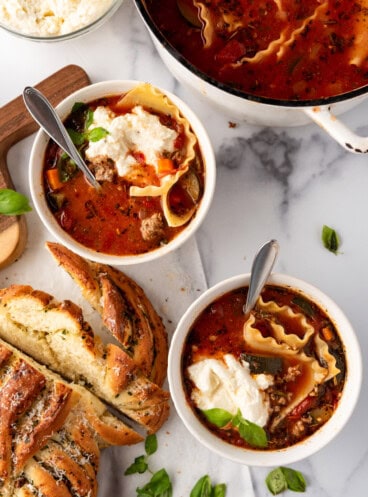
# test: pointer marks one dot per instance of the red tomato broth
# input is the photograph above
(314, 66)
(218, 330)
(109, 220)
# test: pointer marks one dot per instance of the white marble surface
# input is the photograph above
(272, 183)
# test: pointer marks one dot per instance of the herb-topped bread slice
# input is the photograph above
(51, 432)
(56, 334)
(125, 310)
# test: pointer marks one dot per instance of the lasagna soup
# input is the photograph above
(147, 160)
(281, 368)
(280, 49)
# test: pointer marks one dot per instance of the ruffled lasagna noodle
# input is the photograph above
(150, 98)
(217, 13)
(217, 17)
(281, 343)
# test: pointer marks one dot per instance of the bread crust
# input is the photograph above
(51, 432)
(125, 309)
(56, 334)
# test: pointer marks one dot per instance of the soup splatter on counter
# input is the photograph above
(279, 49)
(148, 163)
(282, 368)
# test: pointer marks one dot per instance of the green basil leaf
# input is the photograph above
(139, 466)
(96, 134)
(77, 138)
(276, 481)
(252, 433)
(294, 479)
(158, 486)
(77, 106)
(330, 239)
(304, 305)
(219, 490)
(150, 444)
(89, 119)
(202, 488)
(13, 203)
(218, 417)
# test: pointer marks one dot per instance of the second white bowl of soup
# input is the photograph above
(270, 388)
(153, 160)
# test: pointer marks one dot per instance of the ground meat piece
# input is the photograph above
(103, 168)
(292, 373)
(152, 228)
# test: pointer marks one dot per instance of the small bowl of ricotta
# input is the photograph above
(269, 388)
(48, 21)
(154, 163)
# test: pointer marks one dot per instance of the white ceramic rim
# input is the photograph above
(87, 94)
(299, 451)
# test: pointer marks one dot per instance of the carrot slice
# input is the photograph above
(53, 179)
(165, 166)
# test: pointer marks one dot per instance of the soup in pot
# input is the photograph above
(281, 369)
(279, 49)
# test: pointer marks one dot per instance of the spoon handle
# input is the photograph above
(44, 114)
(261, 270)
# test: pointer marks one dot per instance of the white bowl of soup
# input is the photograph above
(153, 160)
(270, 388)
(280, 66)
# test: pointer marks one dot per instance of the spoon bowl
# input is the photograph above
(260, 272)
(44, 114)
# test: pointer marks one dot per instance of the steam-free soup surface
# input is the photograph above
(304, 364)
(280, 49)
(112, 220)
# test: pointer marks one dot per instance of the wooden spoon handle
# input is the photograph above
(15, 124)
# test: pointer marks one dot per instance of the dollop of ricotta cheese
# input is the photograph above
(227, 384)
(135, 131)
(50, 17)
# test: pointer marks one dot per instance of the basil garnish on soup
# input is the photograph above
(266, 381)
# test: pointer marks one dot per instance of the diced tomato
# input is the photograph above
(231, 52)
(303, 407)
(139, 157)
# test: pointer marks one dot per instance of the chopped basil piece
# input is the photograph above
(252, 433)
(304, 305)
(78, 106)
(259, 364)
(330, 239)
(158, 486)
(139, 466)
(150, 444)
(218, 417)
(77, 138)
(204, 488)
(13, 203)
(283, 478)
(96, 134)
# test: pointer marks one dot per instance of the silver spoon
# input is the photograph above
(44, 114)
(261, 270)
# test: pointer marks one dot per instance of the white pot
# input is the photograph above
(258, 110)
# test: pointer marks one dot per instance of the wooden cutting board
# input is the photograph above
(15, 124)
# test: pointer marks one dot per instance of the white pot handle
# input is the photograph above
(341, 133)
